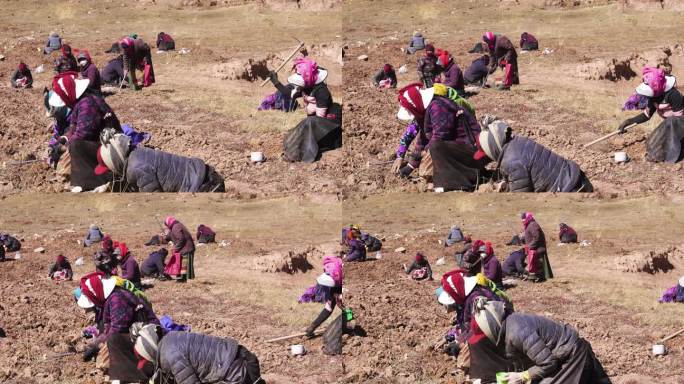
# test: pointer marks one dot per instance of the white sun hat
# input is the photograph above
(325, 280)
(645, 90)
(298, 80)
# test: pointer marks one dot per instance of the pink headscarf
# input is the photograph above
(308, 69)
(527, 219)
(489, 38)
(655, 78)
(169, 221)
(332, 266)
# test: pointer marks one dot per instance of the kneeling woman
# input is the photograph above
(526, 165)
(321, 130)
(189, 358)
(446, 131)
(151, 170)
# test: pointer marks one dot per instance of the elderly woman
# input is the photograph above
(117, 305)
(548, 351)
(60, 269)
(446, 136)
(191, 358)
(416, 44)
(658, 93)
(137, 56)
(89, 71)
(525, 165)
(385, 77)
(321, 130)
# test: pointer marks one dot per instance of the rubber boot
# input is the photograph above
(322, 317)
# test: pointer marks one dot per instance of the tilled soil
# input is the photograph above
(615, 311)
(373, 131)
(188, 111)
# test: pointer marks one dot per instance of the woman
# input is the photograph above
(117, 305)
(525, 165)
(328, 290)
(528, 42)
(89, 71)
(446, 132)
(420, 268)
(11, 243)
(416, 44)
(356, 248)
(428, 69)
(137, 56)
(477, 71)
(89, 116)
(205, 235)
(502, 54)
(93, 236)
(54, 43)
(61, 269)
(182, 263)
(321, 130)
(153, 265)
(151, 170)
(538, 265)
(658, 93)
(192, 358)
(548, 351)
(22, 78)
(68, 60)
(129, 266)
(491, 267)
(385, 77)
(458, 293)
(453, 76)
(165, 42)
(566, 234)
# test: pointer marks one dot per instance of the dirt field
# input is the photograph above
(555, 105)
(616, 311)
(194, 109)
(232, 295)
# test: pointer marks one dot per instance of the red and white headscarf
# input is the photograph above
(411, 99)
(67, 89)
(95, 289)
(457, 286)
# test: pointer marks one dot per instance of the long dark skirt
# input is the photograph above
(454, 168)
(665, 142)
(312, 136)
(83, 162)
(582, 367)
(486, 360)
(123, 365)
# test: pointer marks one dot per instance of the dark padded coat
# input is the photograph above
(151, 170)
(531, 167)
(194, 358)
(539, 341)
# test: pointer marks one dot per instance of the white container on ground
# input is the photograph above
(297, 350)
(256, 157)
(659, 349)
(620, 157)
